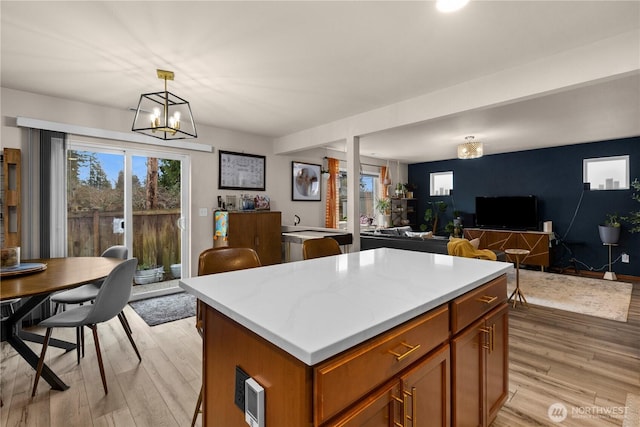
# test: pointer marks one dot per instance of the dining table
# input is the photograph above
(34, 288)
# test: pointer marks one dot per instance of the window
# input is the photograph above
(368, 191)
(607, 173)
(441, 183)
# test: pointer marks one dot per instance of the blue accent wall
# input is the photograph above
(554, 175)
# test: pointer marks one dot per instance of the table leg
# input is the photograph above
(53, 342)
(11, 331)
(517, 293)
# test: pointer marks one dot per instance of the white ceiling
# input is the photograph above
(277, 68)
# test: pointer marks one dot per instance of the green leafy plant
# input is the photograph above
(431, 215)
(634, 217)
(383, 205)
(613, 220)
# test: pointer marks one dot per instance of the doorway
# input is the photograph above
(132, 198)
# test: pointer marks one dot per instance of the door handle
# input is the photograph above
(393, 411)
(181, 223)
(400, 356)
(487, 299)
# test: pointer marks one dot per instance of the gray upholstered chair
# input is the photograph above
(113, 295)
(220, 260)
(317, 248)
(88, 293)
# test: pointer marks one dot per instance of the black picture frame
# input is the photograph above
(241, 171)
(306, 182)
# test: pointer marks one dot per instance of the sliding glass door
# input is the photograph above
(131, 198)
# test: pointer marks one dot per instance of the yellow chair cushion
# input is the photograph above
(464, 248)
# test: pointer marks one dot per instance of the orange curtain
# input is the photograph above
(331, 206)
(383, 177)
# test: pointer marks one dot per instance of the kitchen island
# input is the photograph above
(378, 337)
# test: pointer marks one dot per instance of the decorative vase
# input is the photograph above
(609, 235)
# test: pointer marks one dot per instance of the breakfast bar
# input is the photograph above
(377, 337)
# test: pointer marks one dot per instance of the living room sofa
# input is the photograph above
(397, 238)
(405, 238)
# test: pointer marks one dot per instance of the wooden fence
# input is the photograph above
(156, 238)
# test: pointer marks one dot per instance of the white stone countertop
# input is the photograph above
(317, 308)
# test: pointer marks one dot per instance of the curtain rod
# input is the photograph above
(363, 164)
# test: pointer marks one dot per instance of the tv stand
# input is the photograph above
(536, 242)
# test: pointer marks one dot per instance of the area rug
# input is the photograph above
(632, 411)
(158, 310)
(593, 297)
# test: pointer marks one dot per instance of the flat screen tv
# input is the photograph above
(507, 212)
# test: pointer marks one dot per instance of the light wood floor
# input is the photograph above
(555, 356)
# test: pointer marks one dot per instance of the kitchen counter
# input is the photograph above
(318, 308)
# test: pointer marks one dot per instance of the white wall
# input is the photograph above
(204, 166)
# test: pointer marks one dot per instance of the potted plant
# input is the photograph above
(610, 230)
(634, 217)
(146, 274)
(400, 190)
(383, 206)
(432, 214)
(410, 188)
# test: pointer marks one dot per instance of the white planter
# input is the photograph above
(152, 275)
(384, 220)
(176, 270)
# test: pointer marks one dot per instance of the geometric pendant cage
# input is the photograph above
(164, 115)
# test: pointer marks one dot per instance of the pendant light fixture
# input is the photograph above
(164, 115)
(470, 149)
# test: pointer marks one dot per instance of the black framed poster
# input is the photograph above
(240, 171)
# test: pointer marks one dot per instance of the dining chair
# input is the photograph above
(113, 295)
(318, 248)
(221, 260)
(88, 293)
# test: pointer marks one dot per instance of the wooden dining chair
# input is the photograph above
(220, 260)
(114, 294)
(318, 248)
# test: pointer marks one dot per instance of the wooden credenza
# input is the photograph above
(445, 367)
(259, 230)
(537, 242)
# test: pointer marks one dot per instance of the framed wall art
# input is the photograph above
(240, 171)
(305, 182)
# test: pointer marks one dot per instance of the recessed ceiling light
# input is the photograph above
(450, 5)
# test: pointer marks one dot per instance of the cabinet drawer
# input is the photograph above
(474, 304)
(347, 377)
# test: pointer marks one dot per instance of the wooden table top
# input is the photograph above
(61, 273)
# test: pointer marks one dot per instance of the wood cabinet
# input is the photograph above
(258, 230)
(346, 379)
(537, 242)
(11, 213)
(420, 397)
(480, 369)
(445, 367)
(404, 212)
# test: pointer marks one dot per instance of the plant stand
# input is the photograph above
(610, 275)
